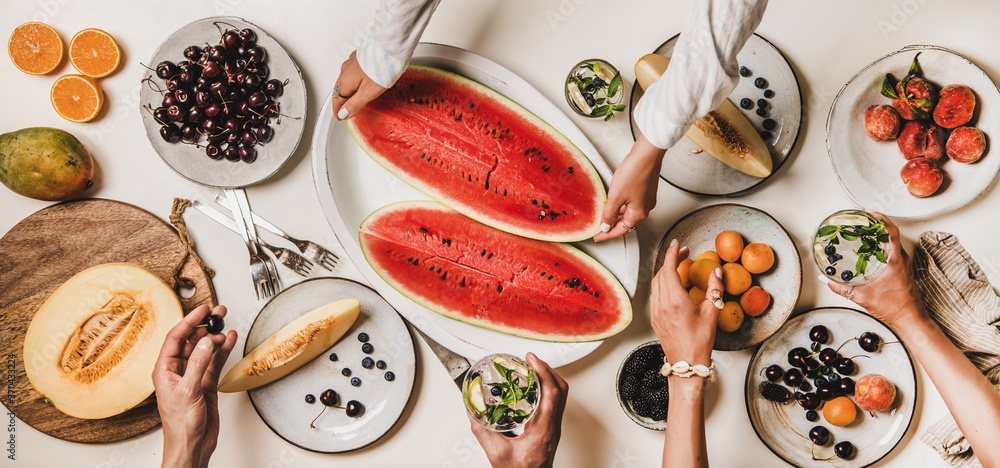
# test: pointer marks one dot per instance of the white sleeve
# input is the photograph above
(703, 69)
(396, 31)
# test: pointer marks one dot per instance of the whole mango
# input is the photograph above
(45, 164)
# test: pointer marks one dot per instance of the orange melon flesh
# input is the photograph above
(293, 346)
(91, 347)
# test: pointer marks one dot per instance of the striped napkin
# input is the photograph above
(958, 296)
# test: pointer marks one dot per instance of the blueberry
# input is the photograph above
(310, 399)
(762, 112)
(768, 93)
(830, 250)
(495, 391)
(589, 88)
(820, 381)
(390, 376)
(812, 415)
(346, 372)
(355, 381)
(769, 124)
(833, 377)
(744, 72)
(762, 103)
(589, 98)
(333, 357)
(367, 348)
(847, 275)
(367, 363)
(760, 83)
(598, 81)
(380, 364)
(816, 346)
(805, 387)
(363, 337)
(766, 135)
(830, 271)
(746, 103)
(825, 370)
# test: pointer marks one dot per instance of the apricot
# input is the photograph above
(700, 270)
(757, 258)
(922, 177)
(683, 271)
(735, 278)
(955, 106)
(966, 145)
(874, 393)
(709, 254)
(921, 139)
(882, 122)
(840, 411)
(755, 301)
(696, 295)
(916, 89)
(729, 245)
(730, 317)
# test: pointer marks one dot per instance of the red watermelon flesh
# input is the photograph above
(483, 155)
(471, 272)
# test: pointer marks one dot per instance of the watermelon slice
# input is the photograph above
(483, 155)
(471, 272)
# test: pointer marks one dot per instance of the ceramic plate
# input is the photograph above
(784, 428)
(868, 171)
(648, 423)
(281, 404)
(701, 173)
(351, 186)
(191, 162)
(783, 281)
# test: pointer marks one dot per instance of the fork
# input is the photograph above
(264, 282)
(310, 249)
(290, 259)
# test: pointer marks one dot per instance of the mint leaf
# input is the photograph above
(887, 88)
(616, 83)
(880, 256)
(826, 231)
(862, 264)
(619, 107)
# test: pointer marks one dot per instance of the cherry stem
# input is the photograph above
(149, 82)
(317, 417)
(848, 341)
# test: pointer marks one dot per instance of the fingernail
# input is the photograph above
(342, 113)
(718, 273)
(605, 227)
(823, 279)
(673, 242)
(205, 343)
(683, 249)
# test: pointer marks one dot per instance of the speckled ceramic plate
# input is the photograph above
(868, 171)
(784, 428)
(281, 404)
(191, 162)
(783, 281)
(626, 405)
(704, 175)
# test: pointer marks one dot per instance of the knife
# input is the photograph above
(456, 365)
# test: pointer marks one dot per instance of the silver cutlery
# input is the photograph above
(264, 281)
(310, 249)
(290, 259)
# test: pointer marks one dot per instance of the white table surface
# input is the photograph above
(540, 40)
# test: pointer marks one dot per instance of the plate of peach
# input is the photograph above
(909, 135)
(761, 270)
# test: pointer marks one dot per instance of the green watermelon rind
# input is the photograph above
(470, 210)
(623, 299)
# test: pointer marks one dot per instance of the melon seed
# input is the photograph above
(545, 206)
(499, 288)
(423, 229)
(490, 256)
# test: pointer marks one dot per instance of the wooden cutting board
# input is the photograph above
(46, 249)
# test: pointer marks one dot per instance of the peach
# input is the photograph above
(684, 271)
(922, 177)
(966, 144)
(700, 270)
(882, 122)
(921, 139)
(874, 393)
(917, 89)
(730, 317)
(729, 245)
(735, 278)
(757, 258)
(955, 106)
(709, 254)
(755, 301)
(697, 295)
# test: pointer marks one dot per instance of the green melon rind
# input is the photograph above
(470, 210)
(623, 298)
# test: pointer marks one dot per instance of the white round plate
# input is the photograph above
(281, 404)
(191, 162)
(351, 186)
(697, 231)
(784, 428)
(868, 171)
(701, 173)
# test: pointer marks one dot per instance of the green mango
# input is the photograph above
(45, 164)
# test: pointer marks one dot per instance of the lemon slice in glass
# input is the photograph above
(849, 219)
(476, 395)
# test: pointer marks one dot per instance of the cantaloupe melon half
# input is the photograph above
(293, 346)
(91, 347)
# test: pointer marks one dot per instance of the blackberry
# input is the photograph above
(642, 407)
(774, 392)
(659, 413)
(629, 387)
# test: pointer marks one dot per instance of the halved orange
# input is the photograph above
(35, 48)
(76, 98)
(94, 53)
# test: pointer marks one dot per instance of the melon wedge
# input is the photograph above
(725, 133)
(293, 346)
(91, 347)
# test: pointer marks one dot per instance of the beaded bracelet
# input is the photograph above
(683, 369)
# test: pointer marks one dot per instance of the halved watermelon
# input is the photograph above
(483, 155)
(471, 272)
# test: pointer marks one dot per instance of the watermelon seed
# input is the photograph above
(543, 273)
(422, 156)
(423, 229)
(597, 294)
(471, 106)
(541, 216)
(564, 212)
(556, 264)
(431, 268)
(439, 270)
(463, 282)
(550, 277)
(545, 206)
(499, 288)
(526, 152)
(546, 169)
(571, 169)
(458, 118)
(490, 256)
(444, 276)
(584, 288)
(534, 202)
(483, 253)
(574, 283)
(409, 260)
(505, 192)
(507, 131)
(470, 178)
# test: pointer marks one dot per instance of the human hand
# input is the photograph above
(536, 447)
(686, 330)
(186, 378)
(633, 190)
(892, 296)
(356, 89)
